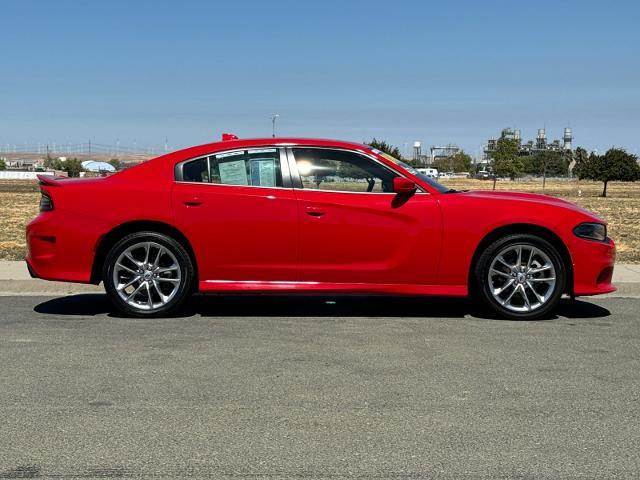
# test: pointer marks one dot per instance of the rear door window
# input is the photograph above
(257, 167)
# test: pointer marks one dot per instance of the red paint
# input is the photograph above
(287, 239)
(239, 233)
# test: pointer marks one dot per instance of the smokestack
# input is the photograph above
(541, 139)
(567, 138)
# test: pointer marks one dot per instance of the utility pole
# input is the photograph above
(273, 124)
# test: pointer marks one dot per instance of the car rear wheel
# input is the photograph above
(148, 274)
(521, 277)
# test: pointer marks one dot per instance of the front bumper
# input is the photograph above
(593, 267)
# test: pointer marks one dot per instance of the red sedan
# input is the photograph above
(310, 216)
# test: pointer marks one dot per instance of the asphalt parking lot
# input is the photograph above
(277, 387)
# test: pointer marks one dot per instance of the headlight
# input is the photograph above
(591, 231)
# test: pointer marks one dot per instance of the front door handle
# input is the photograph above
(314, 211)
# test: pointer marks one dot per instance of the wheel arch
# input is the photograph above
(528, 228)
(109, 239)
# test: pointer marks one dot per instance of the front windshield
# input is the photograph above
(438, 186)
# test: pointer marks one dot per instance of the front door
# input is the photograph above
(354, 229)
(239, 212)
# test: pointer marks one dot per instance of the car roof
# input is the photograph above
(201, 150)
(198, 150)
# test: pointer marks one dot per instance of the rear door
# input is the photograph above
(354, 229)
(239, 212)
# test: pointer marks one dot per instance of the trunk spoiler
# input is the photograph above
(50, 180)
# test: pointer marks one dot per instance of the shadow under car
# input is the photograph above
(272, 305)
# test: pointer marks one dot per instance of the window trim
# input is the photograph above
(284, 167)
(296, 179)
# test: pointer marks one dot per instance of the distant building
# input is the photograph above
(531, 147)
(24, 164)
(446, 152)
(435, 153)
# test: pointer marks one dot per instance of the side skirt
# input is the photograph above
(217, 286)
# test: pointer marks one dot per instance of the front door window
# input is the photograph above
(339, 170)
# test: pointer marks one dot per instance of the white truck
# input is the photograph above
(429, 172)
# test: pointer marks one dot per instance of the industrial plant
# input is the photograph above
(435, 152)
(531, 147)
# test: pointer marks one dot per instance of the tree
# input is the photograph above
(386, 148)
(616, 164)
(442, 164)
(72, 166)
(3, 164)
(545, 163)
(506, 162)
(460, 162)
(50, 162)
(581, 157)
(414, 163)
(115, 163)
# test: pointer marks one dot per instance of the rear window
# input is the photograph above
(253, 167)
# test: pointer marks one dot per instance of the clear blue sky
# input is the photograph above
(437, 72)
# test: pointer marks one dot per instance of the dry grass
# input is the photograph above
(19, 204)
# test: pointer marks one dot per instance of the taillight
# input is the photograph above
(46, 204)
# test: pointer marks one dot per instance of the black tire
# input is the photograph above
(184, 285)
(481, 289)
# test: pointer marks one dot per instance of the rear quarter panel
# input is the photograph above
(87, 209)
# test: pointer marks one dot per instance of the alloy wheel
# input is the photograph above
(522, 278)
(147, 276)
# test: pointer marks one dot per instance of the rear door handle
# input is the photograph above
(314, 211)
(193, 202)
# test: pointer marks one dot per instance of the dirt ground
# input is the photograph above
(19, 204)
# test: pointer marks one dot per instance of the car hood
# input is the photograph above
(530, 197)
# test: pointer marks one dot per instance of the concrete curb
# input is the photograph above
(15, 280)
(43, 287)
(625, 290)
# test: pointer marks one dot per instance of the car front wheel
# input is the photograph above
(148, 274)
(521, 277)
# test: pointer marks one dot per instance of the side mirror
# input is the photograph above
(403, 185)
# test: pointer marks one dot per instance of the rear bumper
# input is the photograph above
(61, 247)
(593, 267)
(32, 272)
